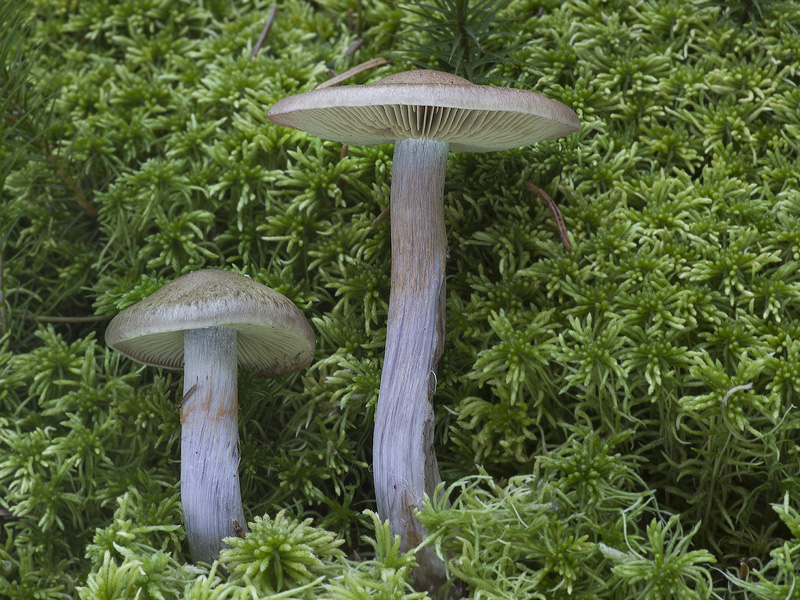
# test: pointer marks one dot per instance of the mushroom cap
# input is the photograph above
(274, 337)
(427, 104)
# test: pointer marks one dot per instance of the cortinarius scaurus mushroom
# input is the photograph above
(206, 323)
(425, 114)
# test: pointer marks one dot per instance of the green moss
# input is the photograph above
(630, 402)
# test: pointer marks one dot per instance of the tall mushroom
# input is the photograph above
(425, 114)
(206, 322)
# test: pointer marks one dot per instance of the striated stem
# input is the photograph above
(404, 458)
(210, 491)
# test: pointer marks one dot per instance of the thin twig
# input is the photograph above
(351, 49)
(56, 163)
(38, 137)
(57, 319)
(365, 66)
(267, 27)
(562, 229)
(381, 217)
(189, 393)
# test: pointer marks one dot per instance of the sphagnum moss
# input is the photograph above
(650, 373)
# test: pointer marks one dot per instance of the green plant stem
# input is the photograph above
(461, 24)
(53, 160)
(3, 316)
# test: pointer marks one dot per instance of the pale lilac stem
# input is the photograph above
(210, 491)
(405, 465)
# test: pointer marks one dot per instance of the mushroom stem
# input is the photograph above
(405, 467)
(210, 491)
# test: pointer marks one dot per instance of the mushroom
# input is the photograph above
(425, 114)
(206, 322)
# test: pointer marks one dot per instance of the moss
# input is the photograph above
(630, 402)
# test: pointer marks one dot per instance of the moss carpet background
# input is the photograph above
(619, 420)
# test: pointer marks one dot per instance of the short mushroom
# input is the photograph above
(206, 322)
(425, 114)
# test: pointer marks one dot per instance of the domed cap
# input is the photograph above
(427, 104)
(273, 336)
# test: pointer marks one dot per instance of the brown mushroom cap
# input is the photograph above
(427, 104)
(274, 337)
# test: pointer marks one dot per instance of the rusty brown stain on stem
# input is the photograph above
(225, 411)
(413, 533)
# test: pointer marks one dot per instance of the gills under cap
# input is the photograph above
(274, 338)
(427, 104)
